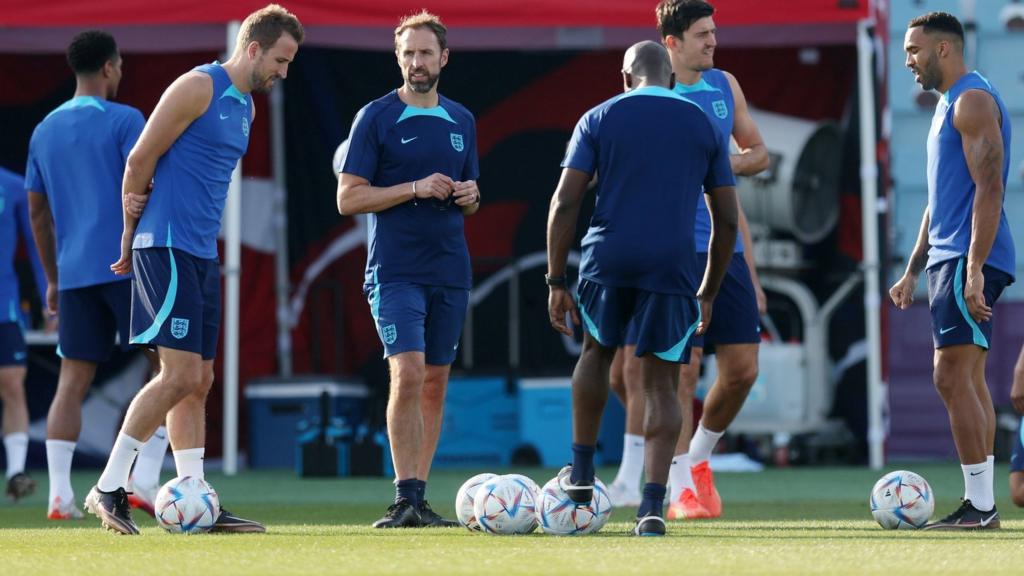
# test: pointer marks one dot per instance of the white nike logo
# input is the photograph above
(19, 355)
(225, 116)
(404, 141)
(944, 330)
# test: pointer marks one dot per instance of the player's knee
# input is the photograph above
(434, 392)
(947, 383)
(11, 391)
(741, 379)
(1017, 488)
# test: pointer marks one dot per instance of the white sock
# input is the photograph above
(703, 443)
(632, 465)
(151, 459)
(59, 454)
(119, 465)
(679, 477)
(16, 448)
(978, 480)
(190, 462)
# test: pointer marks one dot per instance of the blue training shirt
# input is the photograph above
(391, 143)
(192, 177)
(14, 222)
(951, 188)
(655, 153)
(76, 157)
(714, 95)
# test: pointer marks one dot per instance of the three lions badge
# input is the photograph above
(457, 142)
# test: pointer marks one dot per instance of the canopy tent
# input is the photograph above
(194, 25)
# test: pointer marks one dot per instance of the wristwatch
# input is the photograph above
(558, 281)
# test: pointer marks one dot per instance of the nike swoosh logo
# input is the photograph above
(986, 521)
(225, 116)
(976, 473)
(404, 141)
(944, 330)
(19, 355)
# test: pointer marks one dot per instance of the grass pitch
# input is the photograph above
(795, 521)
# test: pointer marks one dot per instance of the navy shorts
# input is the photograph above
(12, 345)
(91, 317)
(665, 323)
(414, 317)
(734, 315)
(175, 301)
(1017, 458)
(951, 323)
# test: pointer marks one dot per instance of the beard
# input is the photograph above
(259, 84)
(424, 86)
(930, 76)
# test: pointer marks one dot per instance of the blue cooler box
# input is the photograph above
(276, 406)
(480, 424)
(545, 422)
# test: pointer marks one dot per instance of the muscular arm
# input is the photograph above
(977, 119)
(42, 230)
(919, 257)
(724, 210)
(753, 155)
(184, 100)
(357, 196)
(562, 216)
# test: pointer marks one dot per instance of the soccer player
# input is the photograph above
(656, 153)
(965, 245)
(687, 29)
(1017, 459)
(412, 166)
(14, 222)
(188, 149)
(76, 162)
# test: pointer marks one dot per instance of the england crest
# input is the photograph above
(457, 141)
(389, 333)
(245, 126)
(179, 327)
(721, 110)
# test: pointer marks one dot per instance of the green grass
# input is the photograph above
(796, 521)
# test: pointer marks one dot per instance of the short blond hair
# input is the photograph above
(423, 19)
(267, 24)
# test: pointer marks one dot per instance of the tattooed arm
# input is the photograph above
(977, 118)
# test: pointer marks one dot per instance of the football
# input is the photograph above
(505, 505)
(560, 516)
(464, 500)
(902, 500)
(186, 505)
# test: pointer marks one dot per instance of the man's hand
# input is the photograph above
(466, 193)
(124, 265)
(560, 304)
(705, 313)
(51, 299)
(762, 300)
(902, 292)
(434, 186)
(134, 204)
(1017, 390)
(974, 295)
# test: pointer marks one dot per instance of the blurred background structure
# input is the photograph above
(839, 113)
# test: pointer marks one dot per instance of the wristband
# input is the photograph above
(556, 281)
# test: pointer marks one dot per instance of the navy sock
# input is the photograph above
(407, 489)
(582, 464)
(421, 491)
(653, 502)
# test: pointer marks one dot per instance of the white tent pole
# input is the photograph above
(869, 217)
(283, 287)
(232, 274)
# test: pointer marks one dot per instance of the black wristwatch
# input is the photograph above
(558, 281)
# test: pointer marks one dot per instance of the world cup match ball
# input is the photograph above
(902, 500)
(186, 505)
(534, 488)
(560, 516)
(505, 505)
(465, 498)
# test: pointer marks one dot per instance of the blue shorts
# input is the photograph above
(175, 301)
(12, 345)
(1017, 458)
(414, 317)
(951, 323)
(734, 315)
(665, 323)
(90, 317)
